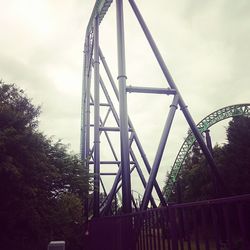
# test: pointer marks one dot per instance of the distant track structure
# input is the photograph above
(203, 126)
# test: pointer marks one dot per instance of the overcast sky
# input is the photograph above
(205, 45)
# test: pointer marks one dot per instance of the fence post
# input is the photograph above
(127, 234)
(173, 228)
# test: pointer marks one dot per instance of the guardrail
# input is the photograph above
(220, 224)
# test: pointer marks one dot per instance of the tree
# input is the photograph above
(41, 184)
(194, 181)
(235, 156)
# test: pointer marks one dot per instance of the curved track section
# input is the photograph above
(207, 122)
(101, 7)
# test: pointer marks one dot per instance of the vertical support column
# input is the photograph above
(87, 115)
(217, 189)
(96, 120)
(83, 122)
(83, 107)
(126, 183)
(209, 141)
(88, 72)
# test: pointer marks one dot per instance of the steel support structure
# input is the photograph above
(132, 155)
(172, 85)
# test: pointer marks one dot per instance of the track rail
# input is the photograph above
(203, 125)
(101, 7)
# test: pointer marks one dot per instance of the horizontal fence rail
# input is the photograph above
(220, 224)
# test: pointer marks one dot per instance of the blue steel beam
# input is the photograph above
(159, 152)
(96, 120)
(124, 142)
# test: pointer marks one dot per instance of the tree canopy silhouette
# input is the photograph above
(233, 162)
(42, 186)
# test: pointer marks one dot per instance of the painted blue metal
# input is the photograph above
(96, 120)
(123, 111)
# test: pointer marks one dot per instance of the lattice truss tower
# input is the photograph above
(106, 126)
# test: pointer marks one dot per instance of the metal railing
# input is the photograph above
(221, 224)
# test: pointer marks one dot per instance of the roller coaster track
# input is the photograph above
(203, 125)
(101, 7)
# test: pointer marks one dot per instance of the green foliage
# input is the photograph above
(42, 186)
(16, 110)
(232, 159)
